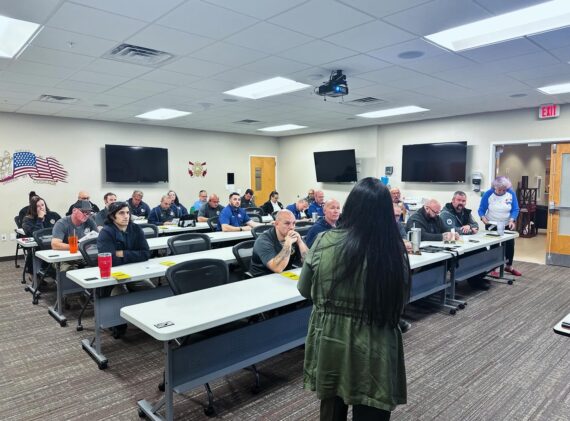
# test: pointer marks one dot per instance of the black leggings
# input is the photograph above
(509, 246)
(334, 409)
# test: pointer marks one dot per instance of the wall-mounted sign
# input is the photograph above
(548, 111)
(197, 169)
(38, 168)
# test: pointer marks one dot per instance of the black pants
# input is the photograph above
(509, 246)
(334, 409)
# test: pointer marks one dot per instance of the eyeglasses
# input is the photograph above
(86, 213)
(436, 213)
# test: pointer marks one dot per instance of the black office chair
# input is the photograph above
(213, 223)
(255, 211)
(89, 252)
(242, 252)
(258, 230)
(191, 276)
(255, 217)
(188, 243)
(43, 240)
(18, 222)
(274, 215)
(303, 229)
(149, 230)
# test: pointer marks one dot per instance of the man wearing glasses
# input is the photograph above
(83, 195)
(210, 209)
(279, 248)
(428, 220)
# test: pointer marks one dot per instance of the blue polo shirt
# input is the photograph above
(293, 209)
(320, 226)
(236, 217)
(316, 208)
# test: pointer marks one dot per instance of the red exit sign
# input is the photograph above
(548, 111)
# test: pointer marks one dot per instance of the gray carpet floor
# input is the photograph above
(498, 359)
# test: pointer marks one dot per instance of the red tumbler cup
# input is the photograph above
(105, 262)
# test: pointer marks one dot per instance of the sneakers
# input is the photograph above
(512, 271)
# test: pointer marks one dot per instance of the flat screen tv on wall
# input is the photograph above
(135, 164)
(434, 162)
(335, 166)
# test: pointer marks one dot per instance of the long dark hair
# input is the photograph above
(33, 209)
(176, 201)
(374, 251)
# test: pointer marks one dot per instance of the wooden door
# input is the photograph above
(262, 177)
(558, 233)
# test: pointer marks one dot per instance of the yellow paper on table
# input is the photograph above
(290, 275)
(168, 263)
(119, 276)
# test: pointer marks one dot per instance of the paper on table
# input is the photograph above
(120, 276)
(168, 263)
(290, 275)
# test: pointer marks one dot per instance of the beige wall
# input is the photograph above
(79, 147)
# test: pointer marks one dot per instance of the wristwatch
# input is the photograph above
(240, 228)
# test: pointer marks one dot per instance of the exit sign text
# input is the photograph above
(548, 111)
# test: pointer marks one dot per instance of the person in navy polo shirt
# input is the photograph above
(298, 208)
(233, 218)
(318, 205)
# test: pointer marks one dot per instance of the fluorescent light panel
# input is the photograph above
(282, 128)
(269, 87)
(561, 88)
(528, 21)
(163, 114)
(15, 35)
(410, 109)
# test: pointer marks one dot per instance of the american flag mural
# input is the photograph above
(34, 166)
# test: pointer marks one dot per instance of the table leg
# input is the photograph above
(56, 311)
(93, 346)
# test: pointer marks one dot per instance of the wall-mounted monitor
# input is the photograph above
(434, 162)
(135, 164)
(335, 166)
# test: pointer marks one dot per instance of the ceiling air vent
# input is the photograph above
(362, 102)
(138, 55)
(57, 99)
(247, 121)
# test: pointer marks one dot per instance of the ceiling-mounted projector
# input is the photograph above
(336, 85)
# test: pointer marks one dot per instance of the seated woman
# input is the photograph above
(273, 204)
(180, 210)
(39, 216)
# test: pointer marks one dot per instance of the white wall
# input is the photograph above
(79, 146)
(383, 145)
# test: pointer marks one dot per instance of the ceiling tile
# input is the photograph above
(504, 6)
(268, 38)
(357, 64)
(382, 8)
(169, 40)
(192, 66)
(275, 66)
(72, 42)
(88, 21)
(436, 64)
(228, 54)
(204, 19)
(552, 39)
(172, 78)
(390, 54)
(55, 57)
(81, 87)
(501, 51)
(370, 36)
(320, 18)
(103, 79)
(443, 14)
(114, 67)
(37, 107)
(27, 79)
(258, 9)
(30, 10)
(146, 10)
(562, 53)
(39, 69)
(317, 52)
(555, 70)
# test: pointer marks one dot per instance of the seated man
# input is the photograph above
(279, 248)
(331, 215)
(247, 200)
(202, 198)
(298, 208)
(138, 208)
(100, 217)
(234, 218)
(427, 219)
(78, 224)
(317, 205)
(310, 196)
(210, 209)
(83, 195)
(456, 215)
(396, 199)
(163, 214)
(402, 227)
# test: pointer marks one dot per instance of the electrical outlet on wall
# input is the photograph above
(4, 237)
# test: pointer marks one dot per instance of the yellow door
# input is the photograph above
(558, 233)
(262, 177)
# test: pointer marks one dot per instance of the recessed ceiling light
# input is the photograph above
(408, 55)
(528, 21)
(269, 87)
(517, 95)
(163, 114)
(561, 88)
(16, 35)
(410, 109)
(282, 128)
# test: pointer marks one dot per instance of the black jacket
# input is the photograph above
(29, 224)
(432, 229)
(268, 207)
(132, 242)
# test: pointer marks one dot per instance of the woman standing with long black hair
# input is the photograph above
(357, 276)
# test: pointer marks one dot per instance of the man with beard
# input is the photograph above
(456, 215)
(427, 219)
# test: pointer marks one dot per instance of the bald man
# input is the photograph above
(427, 219)
(210, 209)
(331, 211)
(83, 195)
(279, 248)
(397, 200)
(318, 205)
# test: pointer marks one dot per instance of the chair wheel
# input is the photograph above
(161, 387)
(102, 366)
(63, 323)
(452, 312)
(141, 413)
(510, 282)
(27, 289)
(461, 306)
(35, 301)
(79, 328)
(210, 411)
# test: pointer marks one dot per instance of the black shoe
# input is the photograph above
(479, 284)
(404, 325)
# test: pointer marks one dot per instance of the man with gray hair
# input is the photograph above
(138, 208)
(298, 208)
(456, 215)
(331, 214)
(162, 214)
(278, 248)
(427, 219)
